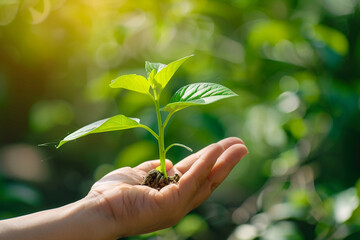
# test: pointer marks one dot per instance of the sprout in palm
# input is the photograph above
(158, 76)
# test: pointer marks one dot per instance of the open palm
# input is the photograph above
(137, 209)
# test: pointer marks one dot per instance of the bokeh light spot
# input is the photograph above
(288, 102)
(23, 162)
(245, 232)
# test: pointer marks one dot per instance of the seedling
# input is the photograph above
(158, 76)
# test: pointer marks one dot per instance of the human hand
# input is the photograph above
(133, 209)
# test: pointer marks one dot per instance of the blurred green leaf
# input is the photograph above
(5, 2)
(136, 153)
(270, 32)
(286, 161)
(40, 16)
(45, 115)
(333, 38)
(190, 225)
(299, 198)
(298, 128)
(102, 170)
(8, 11)
(22, 193)
(197, 94)
(98, 88)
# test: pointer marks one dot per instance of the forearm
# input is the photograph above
(79, 220)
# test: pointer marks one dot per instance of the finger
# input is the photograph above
(185, 164)
(226, 163)
(192, 180)
(149, 165)
(223, 166)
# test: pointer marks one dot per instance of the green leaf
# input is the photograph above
(179, 145)
(131, 82)
(149, 67)
(118, 122)
(151, 79)
(164, 74)
(336, 40)
(197, 94)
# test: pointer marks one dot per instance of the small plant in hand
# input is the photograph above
(158, 76)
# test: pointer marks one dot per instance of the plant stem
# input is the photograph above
(161, 138)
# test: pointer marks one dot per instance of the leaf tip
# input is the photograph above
(60, 144)
(111, 83)
(189, 56)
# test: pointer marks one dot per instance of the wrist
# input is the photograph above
(103, 218)
(84, 219)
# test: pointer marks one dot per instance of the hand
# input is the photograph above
(134, 209)
(118, 206)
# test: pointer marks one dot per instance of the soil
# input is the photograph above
(157, 180)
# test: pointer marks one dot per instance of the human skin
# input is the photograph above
(117, 206)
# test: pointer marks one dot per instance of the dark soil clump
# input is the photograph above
(157, 180)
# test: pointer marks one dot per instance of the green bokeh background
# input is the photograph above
(294, 65)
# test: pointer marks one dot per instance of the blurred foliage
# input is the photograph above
(294, 64)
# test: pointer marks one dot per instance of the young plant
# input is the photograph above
(158, 76)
